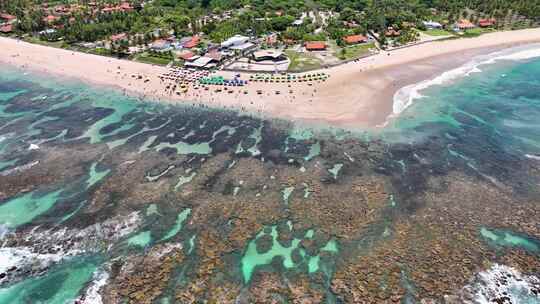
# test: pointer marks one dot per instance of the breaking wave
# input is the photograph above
(405, 97)
(503, 284)
(92, 295)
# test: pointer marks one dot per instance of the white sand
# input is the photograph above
(357, 94)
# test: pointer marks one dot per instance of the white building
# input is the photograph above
(432, 25)
(234, 41)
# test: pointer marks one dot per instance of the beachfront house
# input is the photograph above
(6, 28)
(355, 39)
(432, 25)
(315, 46)
(463, 25)
(486, 22)
(6, 19)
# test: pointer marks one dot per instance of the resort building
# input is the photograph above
(7, 18)
(464, 24)
(118, 37)
(315, 46)
(202, 63)
(355, 39)
(192, 42)
(161, 46)
(432, 25)
(269, 55)
(6, 29)
(187, 56)
(234, 41)
(239, 44)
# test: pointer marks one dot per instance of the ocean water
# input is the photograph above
(74, 146)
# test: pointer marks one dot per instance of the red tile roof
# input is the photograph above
(195, 40)
(117, 37)
(355, 39)
(186, 55)
(50, 18)
(7, 17)
(315, 46)
(465, 24)
(126, 6)
(486, 22)
(8, 28)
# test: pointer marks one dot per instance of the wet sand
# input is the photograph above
(357, 94)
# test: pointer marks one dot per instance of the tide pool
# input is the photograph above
(60, 285)
(24, 208)
(182, 216)
(508, 239)
(141, 239)
(252, 258)
(95, 175)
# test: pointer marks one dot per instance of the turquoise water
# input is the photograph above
(500, 102)
(254, 258)
(62, 284)
(141, 239)
(485, 124)
(180, 219)
(96, 175)
(509, 239)
(25, 208)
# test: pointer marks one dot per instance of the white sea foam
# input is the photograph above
(21, 256)
(535, 157)
(92, 295)
(405, 97)
(503, 283)
(19, 168)
(33, 147)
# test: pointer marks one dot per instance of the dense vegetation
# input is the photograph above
(256, 17)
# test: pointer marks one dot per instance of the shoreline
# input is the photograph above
(357, 95)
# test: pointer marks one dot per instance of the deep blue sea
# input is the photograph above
(483, 119)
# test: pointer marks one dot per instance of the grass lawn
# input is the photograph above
(98, 51)
(477, 31)
(147, 58)
(36, 40)
(355, 51)
(437, 32)
(302, 61)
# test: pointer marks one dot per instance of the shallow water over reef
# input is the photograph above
(181, 203)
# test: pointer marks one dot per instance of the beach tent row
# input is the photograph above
(219, 80)
(289, 77)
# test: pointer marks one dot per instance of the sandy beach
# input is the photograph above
(357, 94)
